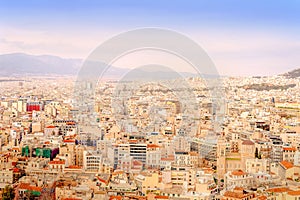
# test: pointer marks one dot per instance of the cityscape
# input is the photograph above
(98, 126)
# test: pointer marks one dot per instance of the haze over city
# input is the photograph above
(243, 38)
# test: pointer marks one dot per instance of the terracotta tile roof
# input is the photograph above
(57, 162)
(137, 162)
(73, 141)
(193, 153)
(51, 126)
(262, 198)
(278, 190)
(168, 159)
(247, 142)
(286, 164)
(237, 195)
(27, 186)
(153, 146)
(71, 199)
(118, 172)
(102, 180)
(294, 193)
(161, 197)
(238, 173)
(133, 141)
(289, 148)
(239, 188)
(115, 198)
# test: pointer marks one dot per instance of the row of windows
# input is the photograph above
(4, 174)
(88, 162)
(245, 181)
(5, 181)
(93, 158)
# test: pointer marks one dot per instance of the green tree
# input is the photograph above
(216, 180)
(8, 193)
(256, 152)
(259, 156)
(29, 195)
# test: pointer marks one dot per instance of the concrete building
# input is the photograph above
(147, 182)
(256, 165)
(288, 153)
(92, 161)
(153, 156)
(238, 178)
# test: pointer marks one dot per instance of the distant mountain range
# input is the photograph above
(21, 64)
(292, 74)
(18, 64)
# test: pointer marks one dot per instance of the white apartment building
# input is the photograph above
(153, 156)
(92, 161)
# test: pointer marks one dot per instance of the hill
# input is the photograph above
(292, 74)
(19, 64)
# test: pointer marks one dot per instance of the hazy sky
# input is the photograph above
(243, 37)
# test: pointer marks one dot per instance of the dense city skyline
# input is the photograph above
(143, 100)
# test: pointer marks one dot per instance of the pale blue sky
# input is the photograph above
(243, 37)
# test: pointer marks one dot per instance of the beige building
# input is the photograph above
(147, 182)
(288, 153)
(79, 155)
(186, 158)
(6, 176)
(238, 194)
(57, 166)
(203, 181)
(238, 178)
(153, 156)
(255, 165)
(36, 127)
(72, 153)
(73, 190)
(287, 170)
(232, 156)
(278, 193)
(68, 151)
(92, 161)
